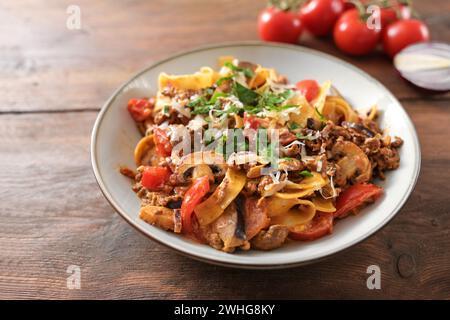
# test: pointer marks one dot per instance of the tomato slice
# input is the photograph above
(139, 109)
(162, 142)
(308, 88)
(254, 122)
(321, 225)
(287, 137)
(355, 197)
(154, 178)
(193, 197)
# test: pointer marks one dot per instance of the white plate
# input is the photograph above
(115, 135)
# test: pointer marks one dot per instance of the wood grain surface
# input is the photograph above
(52, 214)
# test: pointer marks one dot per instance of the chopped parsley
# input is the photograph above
(216, 96)
(321, 116)
(272, 101)
(223, 79)
(305, 174)
(252, 101)
(245, 95)
(293, 125)
(247, 72)
(166, 109)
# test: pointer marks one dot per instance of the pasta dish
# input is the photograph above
(238, 158)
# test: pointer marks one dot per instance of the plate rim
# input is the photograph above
(100, 116)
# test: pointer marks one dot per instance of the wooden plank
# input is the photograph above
(53, 215)
(45, 66)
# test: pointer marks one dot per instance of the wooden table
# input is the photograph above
(52, 83)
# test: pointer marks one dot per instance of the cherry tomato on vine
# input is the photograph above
(391, 14)
(319, 16)
(387, 16)
(403, 33)
(353, 36)
(278, 25)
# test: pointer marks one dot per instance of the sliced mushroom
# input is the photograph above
(270, 239)
(290, 164)
(359, 127)
(353, 163)
(202, 170)
(226, 232)
(201, 163)
(255, 171)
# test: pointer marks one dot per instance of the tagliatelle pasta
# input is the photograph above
(238, 158)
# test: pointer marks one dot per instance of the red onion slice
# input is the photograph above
(427, 65)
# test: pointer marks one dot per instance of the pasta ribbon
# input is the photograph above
(336, 108)
(260, 77)
(323, 205)
(210, 209)
(143, 148)
(238, 122)
(295, 194)
(196, 81)
(305, 111)
(319, 101)
(313, 183)
(290, 212)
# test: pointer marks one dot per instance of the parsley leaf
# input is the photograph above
(223, 79)
(216, 96)
(293, 126)
(166, 109)
(252, 109)
(247, 72)
(202, 109)
(197, 102)
(245, 95)
(306, 174)
(272, 101)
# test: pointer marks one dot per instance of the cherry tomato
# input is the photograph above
(308, 88)
(387, 16)
(392, 14)
(320, 225)
(353, 36)
(153, 178)
(162, 142)
(254, 122)
(355, 197)
(193, 197)
(319, 16)
(278, 25)
(403, 33)
(140, 109)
